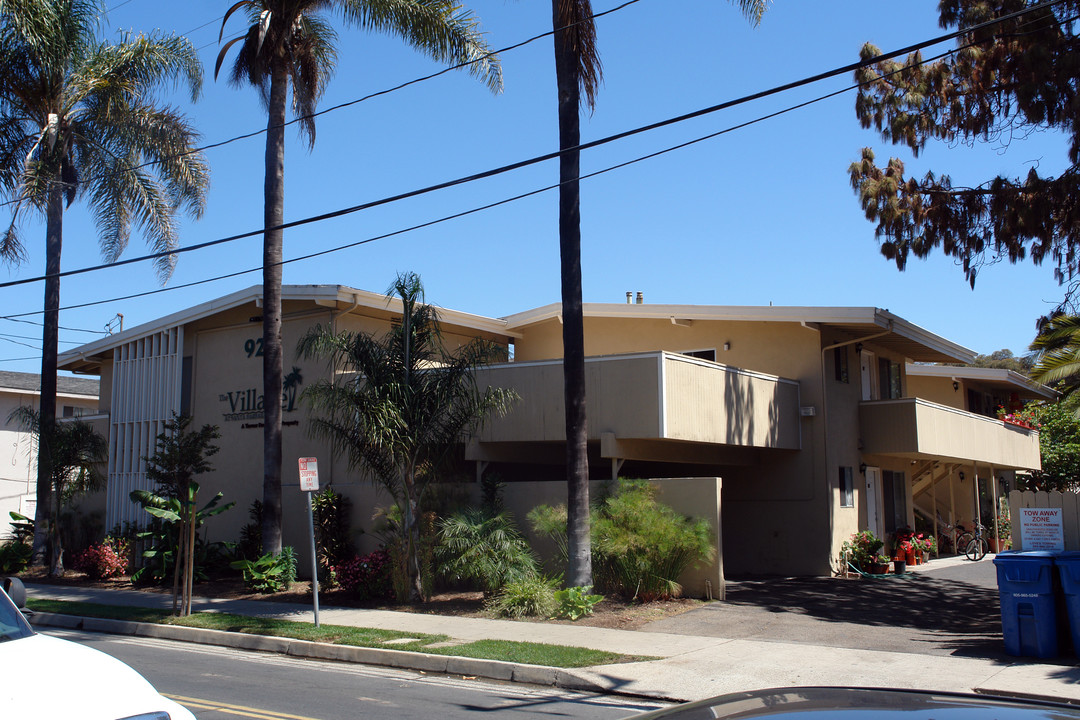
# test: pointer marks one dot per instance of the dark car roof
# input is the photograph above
(813, 703)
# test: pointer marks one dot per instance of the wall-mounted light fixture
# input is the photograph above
(961, 476)
(858, 348)
(862, 468)
(955, 385)
(727, 346)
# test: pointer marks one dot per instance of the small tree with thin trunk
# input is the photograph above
(182, 454)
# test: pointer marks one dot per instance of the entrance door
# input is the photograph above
(867, 375)
(873, 501)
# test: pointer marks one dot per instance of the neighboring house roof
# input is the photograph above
(1008, 380)
(339, 297)
(900, 335)
(31, 383)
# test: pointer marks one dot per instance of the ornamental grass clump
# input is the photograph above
(526, 597)
(640, 547)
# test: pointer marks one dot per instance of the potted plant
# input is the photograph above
(880, 563)
(903, 547)
(1000, 537)
(861, 548)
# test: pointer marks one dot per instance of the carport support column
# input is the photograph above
(994, 499)
(952, 508)
(933, 501)
(975, 485)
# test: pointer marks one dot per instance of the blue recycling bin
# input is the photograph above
(1028, 605)
(1068, 565)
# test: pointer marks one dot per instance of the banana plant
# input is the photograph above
(176, 546)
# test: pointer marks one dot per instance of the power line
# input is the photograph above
(365, 98)
(500, 202)
(61, 327)
(775, 90)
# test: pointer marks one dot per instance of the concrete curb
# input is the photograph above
(401, 659)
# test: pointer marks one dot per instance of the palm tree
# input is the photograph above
(397, 405)
(77, 452)
(1057, 348)
(78, 116)
(578, 70)
(287, 42)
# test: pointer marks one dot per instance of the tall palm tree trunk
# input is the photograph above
(577, 460)
(273, 216)
(44, 518)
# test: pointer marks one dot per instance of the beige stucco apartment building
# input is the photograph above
(789, 428)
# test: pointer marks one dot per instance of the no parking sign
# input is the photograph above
(309, 474)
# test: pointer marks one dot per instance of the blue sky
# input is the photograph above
(760, 215)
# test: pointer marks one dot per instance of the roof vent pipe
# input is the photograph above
(640, 297)
(629, 297)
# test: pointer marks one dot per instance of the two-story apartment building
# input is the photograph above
(75, 397)
(788, 427)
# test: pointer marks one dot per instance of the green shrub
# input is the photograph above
(576, 602)
(484, 546)
(270, 573)
(639, 547)
(14, 556)
(331, 513)
(527, 597)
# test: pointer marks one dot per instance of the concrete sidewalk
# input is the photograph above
(690, 667)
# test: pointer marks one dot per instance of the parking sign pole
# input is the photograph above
(314, 560)
(309, 482)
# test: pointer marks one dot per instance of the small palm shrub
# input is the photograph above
(484, 546)
(527, 597)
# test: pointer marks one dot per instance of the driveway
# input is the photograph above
(953, 610)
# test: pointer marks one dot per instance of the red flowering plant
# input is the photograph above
(103, 561)
(366, 577)
(1020, 418)
(903, 542)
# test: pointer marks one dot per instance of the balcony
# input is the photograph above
(915, 428)
(656, 396)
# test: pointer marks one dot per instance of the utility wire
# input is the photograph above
(505, 201)
(365, 98)
(775, 90)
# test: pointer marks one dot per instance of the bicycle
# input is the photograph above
(945, 539)
(977, 547)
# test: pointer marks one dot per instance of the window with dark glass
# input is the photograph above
(889, 373)
(840, 364)
(709, 355)
(847, 487)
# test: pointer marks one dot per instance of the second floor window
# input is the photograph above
(891, 387)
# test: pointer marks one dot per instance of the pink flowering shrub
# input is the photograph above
(367, 577)
(106, 560)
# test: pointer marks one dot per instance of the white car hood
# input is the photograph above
(43, 677)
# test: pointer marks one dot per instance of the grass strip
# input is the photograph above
(510, 651)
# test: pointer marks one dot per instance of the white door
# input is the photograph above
(873, 501)
(866, 367)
